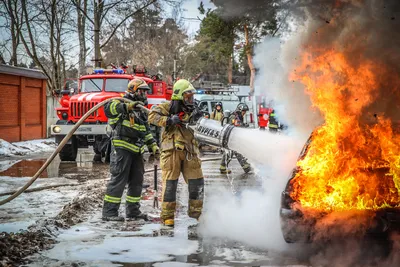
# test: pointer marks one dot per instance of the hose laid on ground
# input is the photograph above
(62, 144)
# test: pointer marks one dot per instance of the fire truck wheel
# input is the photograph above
(69, 151)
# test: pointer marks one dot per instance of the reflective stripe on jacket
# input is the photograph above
(130, 134)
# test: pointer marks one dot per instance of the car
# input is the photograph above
(302, 225)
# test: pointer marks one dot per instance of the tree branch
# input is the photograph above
(125, 19)
(83, 11)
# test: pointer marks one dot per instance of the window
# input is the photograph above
(91, 85)
(116, 85)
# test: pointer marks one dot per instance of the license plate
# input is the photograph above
(84, 129)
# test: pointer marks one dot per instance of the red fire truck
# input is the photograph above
(92, 89)
(263, 112)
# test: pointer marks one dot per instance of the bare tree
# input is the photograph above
(11, 13)
(121, 11)
(81, 10)
(44, 29)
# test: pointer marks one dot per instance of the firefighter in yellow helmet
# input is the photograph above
(131, 133)
(179, 151)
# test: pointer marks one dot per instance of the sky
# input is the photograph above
(191, 12)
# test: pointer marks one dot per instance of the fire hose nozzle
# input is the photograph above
(211, 132)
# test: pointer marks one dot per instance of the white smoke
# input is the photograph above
(253, 217)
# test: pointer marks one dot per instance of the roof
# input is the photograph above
(201, 97)
(18, 71)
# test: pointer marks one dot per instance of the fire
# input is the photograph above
(353, 161)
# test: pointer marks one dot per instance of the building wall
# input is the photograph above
(22, 108)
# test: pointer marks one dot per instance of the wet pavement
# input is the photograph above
(71, 214)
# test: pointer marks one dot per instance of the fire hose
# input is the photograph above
(206, 131)
(62, 144)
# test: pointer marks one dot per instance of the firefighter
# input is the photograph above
(179, 151)
(218, 113)
(273, 123)
(237, 119)
(130, 134)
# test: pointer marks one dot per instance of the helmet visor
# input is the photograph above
(188, 98)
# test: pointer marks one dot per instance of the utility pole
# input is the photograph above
(174, 74)
(98, 9)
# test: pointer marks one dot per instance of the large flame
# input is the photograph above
(353, 161)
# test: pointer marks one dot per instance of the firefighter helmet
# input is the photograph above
(184, 90)
(137, 89)
(218, 104)
(242, 107)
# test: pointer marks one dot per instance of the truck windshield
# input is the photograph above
(116, 85)
(91, 85)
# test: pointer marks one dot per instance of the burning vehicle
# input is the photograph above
(366, 196)
(346, 181)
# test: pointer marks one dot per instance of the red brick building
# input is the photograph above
(22, 104)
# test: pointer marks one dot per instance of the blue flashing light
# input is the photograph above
(99, 71)
(103, 71)
(118, 71)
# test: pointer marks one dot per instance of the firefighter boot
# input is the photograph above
(110, 212)
(196, 195)
(133, 212)
(224, 170)
(168, 213)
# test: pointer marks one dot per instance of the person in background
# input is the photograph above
(218, 112)
(237, 119)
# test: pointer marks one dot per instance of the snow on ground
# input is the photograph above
(26, 147)
(82, 243)
(9, 184)
(30, 207)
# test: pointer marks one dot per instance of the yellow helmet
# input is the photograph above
(136, 84)
(137, 90)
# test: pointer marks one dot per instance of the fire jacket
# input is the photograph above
(129, 134)
(273, 122)
(174, 136)
(217, 115)
(236, 119)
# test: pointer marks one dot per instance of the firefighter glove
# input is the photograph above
(174, 120)
(133, 105)
(156, 150)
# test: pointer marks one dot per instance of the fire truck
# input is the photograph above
(92, 89)
(263, 112)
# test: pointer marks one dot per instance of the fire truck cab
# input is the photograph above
(93, 89)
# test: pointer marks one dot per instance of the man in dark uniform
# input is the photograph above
(131, 133)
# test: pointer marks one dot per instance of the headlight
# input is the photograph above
(65, 115)
(56, 129)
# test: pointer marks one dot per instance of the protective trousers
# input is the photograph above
(126, 168)
(173, 163)
(227, 156)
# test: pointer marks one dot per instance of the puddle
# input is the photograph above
(28, 168)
